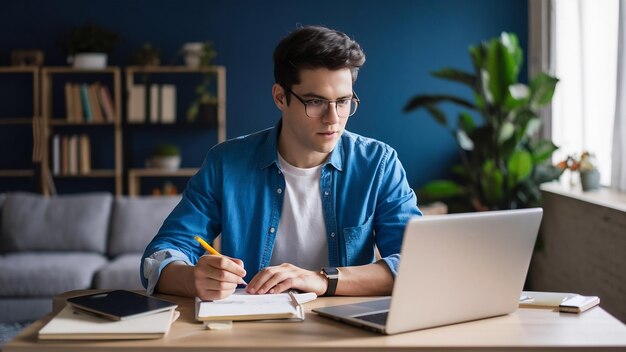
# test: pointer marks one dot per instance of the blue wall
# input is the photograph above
(403, 40)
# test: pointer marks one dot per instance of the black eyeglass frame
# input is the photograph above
(355, 99)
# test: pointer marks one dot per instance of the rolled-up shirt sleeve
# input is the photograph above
(154, 264)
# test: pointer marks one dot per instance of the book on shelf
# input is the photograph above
(56, 157)
(65, 166)
(85, 154)
(154, 102)
(168, 103)
(77, 113)
(73, 155)
(107, 104)
(84, 97)
(94, 103)
(72, 324)
(137, 104)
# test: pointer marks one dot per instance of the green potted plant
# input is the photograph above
(147, 55)
(502, 160)
(203, 109)
(88, 46)
(166, 156)
(198, 54)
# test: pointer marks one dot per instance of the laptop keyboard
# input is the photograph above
(376, 318)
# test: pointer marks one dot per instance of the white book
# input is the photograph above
(168, 103)
(154, 103)
(71, 324)
(137, 104)
(56, 154)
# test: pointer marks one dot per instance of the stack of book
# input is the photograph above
(110, 316)
(88, 103)
(156, 102)
(71, 154)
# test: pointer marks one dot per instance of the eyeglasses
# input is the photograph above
(316, 108)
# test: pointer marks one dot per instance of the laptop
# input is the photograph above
(454, 268)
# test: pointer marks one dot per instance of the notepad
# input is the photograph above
(537, 299)
(564, 302)
(242, 306)
(72, 324)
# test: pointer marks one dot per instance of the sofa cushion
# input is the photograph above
(120, 273)
(32, 222)
(44, 274)
(136, 220)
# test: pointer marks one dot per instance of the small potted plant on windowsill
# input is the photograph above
(587, 168)
(165, 156)
(88, 47)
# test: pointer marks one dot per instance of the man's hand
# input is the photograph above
(216, 277)
(213, 277)
(277, 279)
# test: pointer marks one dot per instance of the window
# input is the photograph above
(585, 56)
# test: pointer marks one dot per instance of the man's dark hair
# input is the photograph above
(312, 47)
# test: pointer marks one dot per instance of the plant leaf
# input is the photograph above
(502, 65)
(466, 123)
(456, 75)
(519, 166)
(506, 131)
(440, 189)
(419, 101)
(543, 150)
(542, 89)
(491, 182)
(437, 114)
(464, 141)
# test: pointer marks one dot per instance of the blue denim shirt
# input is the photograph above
(238, 192)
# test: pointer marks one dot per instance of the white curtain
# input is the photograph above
(618, 179)
(585, 53)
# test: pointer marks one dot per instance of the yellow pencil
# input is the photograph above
(211, 250)
(207, 246)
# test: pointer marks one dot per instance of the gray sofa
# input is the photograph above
(50, 245)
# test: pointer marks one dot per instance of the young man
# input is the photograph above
(292, 199)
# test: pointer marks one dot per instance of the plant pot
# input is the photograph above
(192, 54)
(207, 115)
(590, 180)
(89, 61)
(165, 162)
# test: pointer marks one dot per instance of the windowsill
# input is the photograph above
(604, 196)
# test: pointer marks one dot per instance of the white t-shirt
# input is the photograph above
(301, 236)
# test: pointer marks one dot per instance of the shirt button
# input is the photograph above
(279, 190)
(326, 193)
(332, 234)
(272, 230)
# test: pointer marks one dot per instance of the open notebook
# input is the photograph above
(72, 324)
(242, 306)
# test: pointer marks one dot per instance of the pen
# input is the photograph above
(211, 250)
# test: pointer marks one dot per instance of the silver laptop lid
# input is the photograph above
(462, 267)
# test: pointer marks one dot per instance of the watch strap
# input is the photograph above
(332, 274)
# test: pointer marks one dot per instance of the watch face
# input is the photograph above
(330, 271)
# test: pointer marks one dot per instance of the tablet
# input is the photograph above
(120, 304)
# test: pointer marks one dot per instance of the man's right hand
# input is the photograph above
(213, 277)
(216, 277)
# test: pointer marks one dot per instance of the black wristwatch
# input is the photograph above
(332, 274)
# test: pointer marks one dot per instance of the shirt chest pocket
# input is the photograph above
(359, 241)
